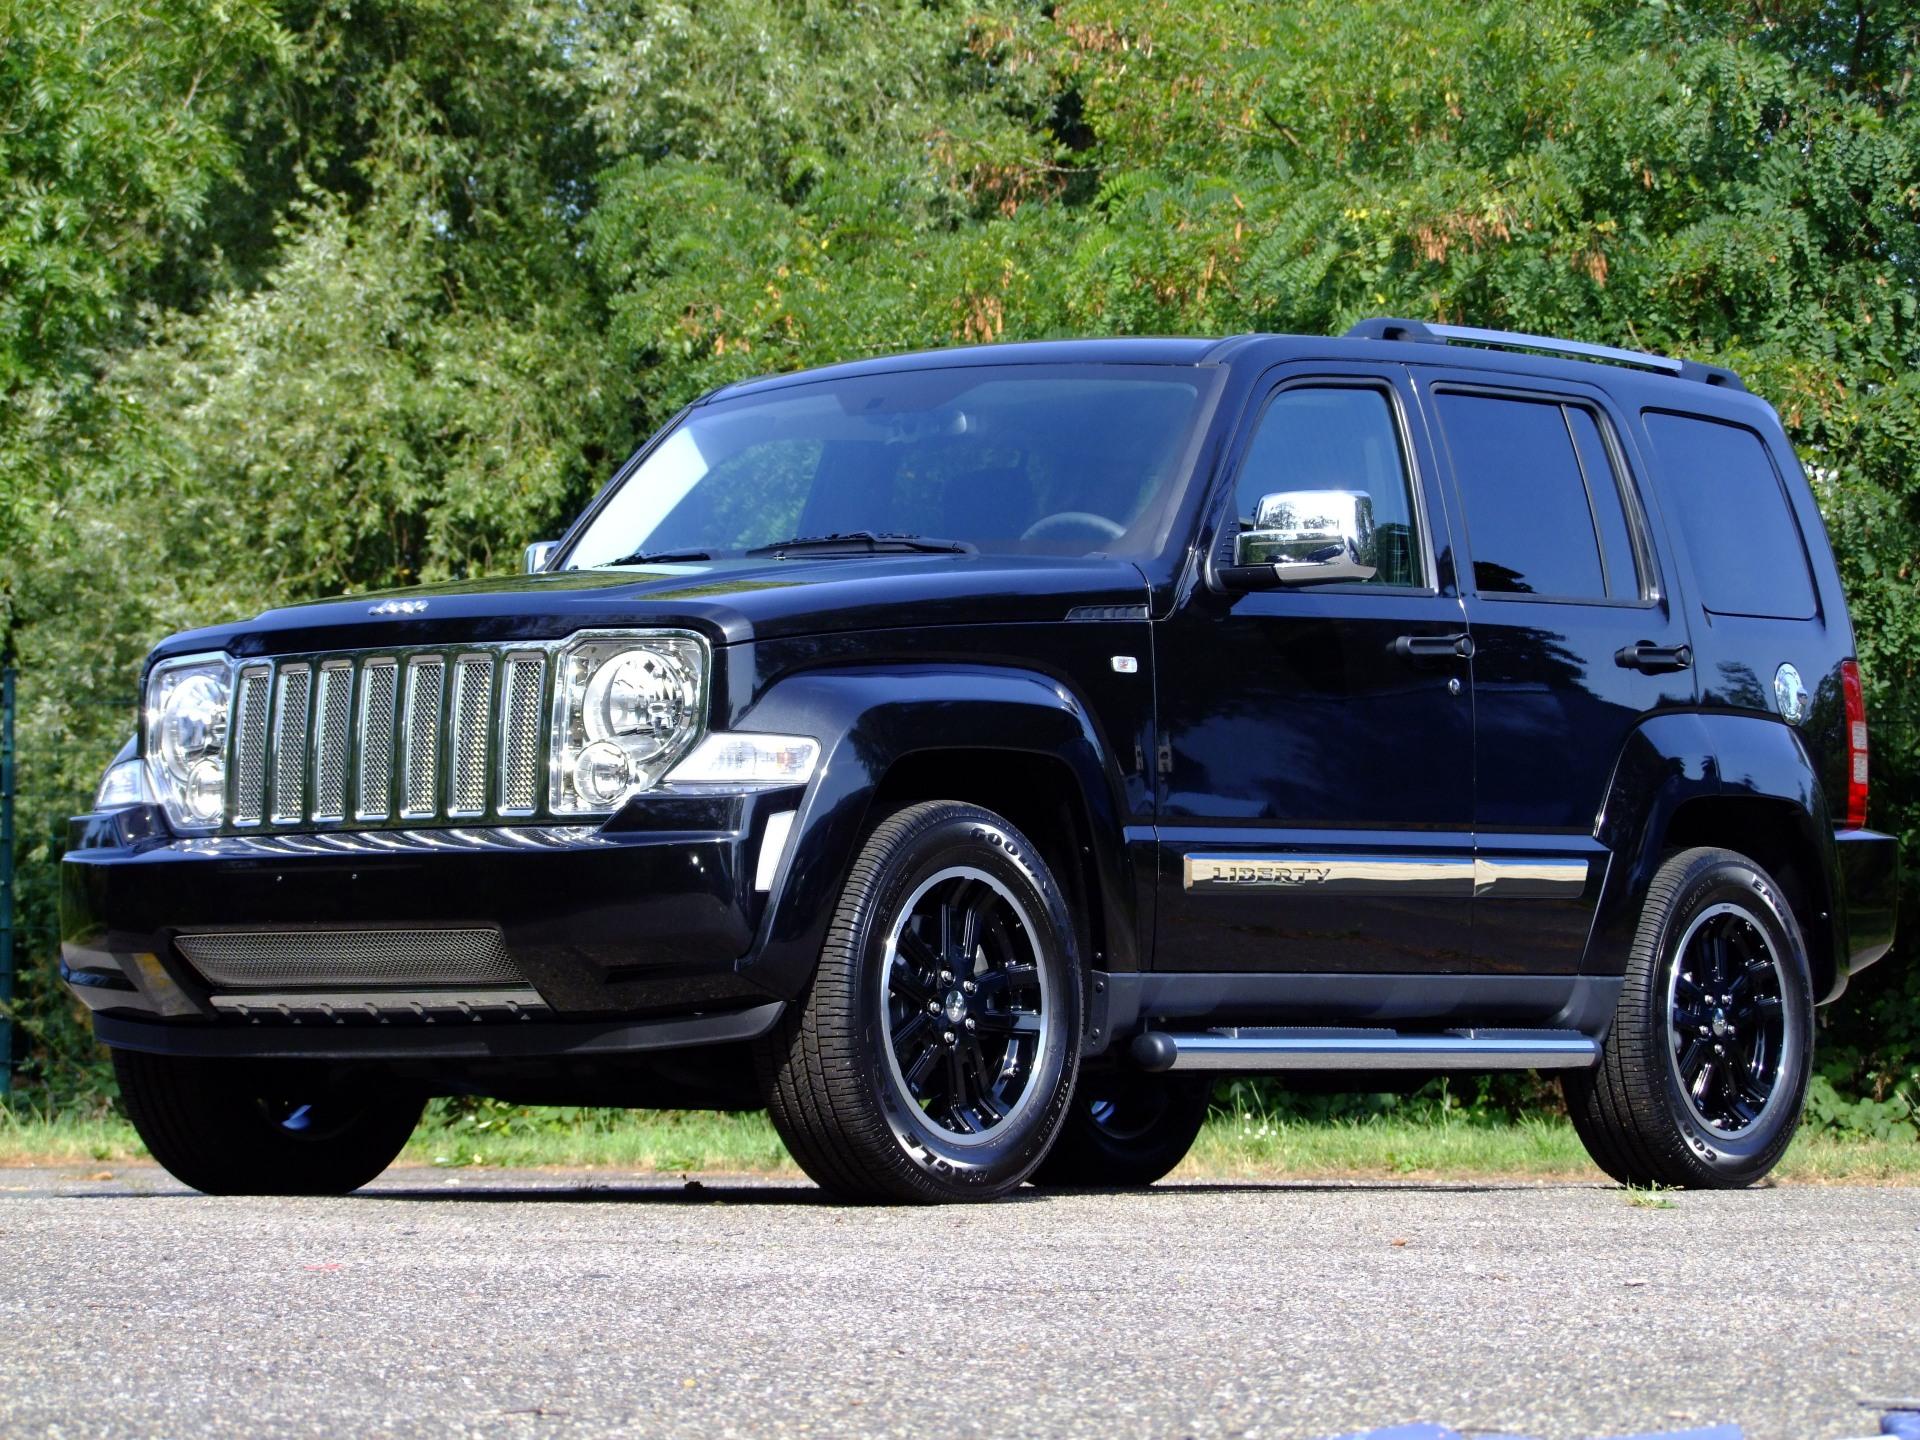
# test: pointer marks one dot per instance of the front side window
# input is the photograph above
(1024, 459)
(1541, 498)
(1314, 438)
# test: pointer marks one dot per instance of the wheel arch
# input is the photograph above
(1738, 782)
(1016, 742)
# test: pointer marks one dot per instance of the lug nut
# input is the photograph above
(946, 977)
(970, 1023)
(968, 986)
(948, 1037)
(933, 1007)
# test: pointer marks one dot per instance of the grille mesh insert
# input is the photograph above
(317, 959)
(520, 735)
(333, 716)
(250, 746)
(290, 744)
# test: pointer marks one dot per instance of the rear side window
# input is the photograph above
(1542, 500)
(1720, 484)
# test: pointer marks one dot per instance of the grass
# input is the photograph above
(1233, 1146)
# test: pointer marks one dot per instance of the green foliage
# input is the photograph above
(312, 296)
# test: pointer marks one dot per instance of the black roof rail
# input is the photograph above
(1423, 332)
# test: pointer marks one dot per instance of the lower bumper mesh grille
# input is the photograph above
(361, 959)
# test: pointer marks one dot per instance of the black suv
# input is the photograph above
(970, 755)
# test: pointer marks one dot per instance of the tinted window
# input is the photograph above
(1603, 489)
(1534, 520)
(1719, 483)
(1338, 438)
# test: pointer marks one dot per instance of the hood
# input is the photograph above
(728, 601)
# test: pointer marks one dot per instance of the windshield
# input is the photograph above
(1023, 459)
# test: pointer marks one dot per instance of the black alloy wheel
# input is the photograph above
(1704, 1072)
(1126, 1130)
(935, 1054)
(231, 1127)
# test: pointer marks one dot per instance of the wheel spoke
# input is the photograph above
(1009, 1022)
(1010, 977)
(1702, 1083)
(969, 936)
(957, 1090)
(906, 1035)
(980, 1071)
(917, 1074)
(1692, 1058)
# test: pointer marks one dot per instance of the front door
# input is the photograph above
(1316, 775)
(1576, 639)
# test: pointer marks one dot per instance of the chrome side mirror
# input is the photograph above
(1305, 537)
(538, 554)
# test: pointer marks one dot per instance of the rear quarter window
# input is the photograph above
(1721, 488)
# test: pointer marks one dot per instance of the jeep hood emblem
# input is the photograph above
(397, 607)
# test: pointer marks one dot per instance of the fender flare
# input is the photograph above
(1672, 759)
(866, 719)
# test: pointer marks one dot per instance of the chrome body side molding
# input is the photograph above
(1511, 876)
(1305, 1049)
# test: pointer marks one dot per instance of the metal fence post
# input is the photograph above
(6, 880)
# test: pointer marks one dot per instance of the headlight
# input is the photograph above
(186, 739)
(625, 708)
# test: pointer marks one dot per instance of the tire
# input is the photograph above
(1125, 1130)
(872, 1098)
(229, 1128)
(1703, 1077)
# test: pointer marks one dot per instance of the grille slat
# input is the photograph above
(522, 700)
(379, 688)
(333, 722)
(249, 732)
(472, 717)
(290, 744)
(426, 679)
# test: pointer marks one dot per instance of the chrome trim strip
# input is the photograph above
(1530, 877)
(376, 842)
(1224, 873)
(1400, 1052)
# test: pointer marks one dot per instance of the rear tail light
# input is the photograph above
(1856, 744)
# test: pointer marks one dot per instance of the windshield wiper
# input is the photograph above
(866, 542)
(662, 557)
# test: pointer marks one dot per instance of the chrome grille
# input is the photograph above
(472, 720)
(414, 737)
(379, 683)
(426, 675)
(249, 742)
(520, 709)
(290, 743)
(333, 719)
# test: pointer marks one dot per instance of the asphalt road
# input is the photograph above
(554, 1305)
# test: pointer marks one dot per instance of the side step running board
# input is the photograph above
(1310, 1049)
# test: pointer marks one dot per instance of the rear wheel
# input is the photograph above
(1125, 1130)
(1704, 1074)
(230, 1128)
(935, 1054)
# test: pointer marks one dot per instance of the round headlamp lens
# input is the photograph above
(643, 696)
(602, 775)
(204, 792)
(193, 725)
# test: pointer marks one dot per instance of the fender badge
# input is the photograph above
(399, 607)
(1790, 695)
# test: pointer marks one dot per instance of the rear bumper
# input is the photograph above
(1869, 864)
(646, 918)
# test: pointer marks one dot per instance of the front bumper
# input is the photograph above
(651, 916)
(1869, 865)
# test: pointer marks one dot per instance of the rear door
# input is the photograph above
(1576, 637)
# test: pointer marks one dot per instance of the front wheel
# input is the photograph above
(1703, 1076)
(935, 1055)
(1125, 1130)
(229, 1128)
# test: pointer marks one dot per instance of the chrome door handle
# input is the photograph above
(1653, 659)
(1434, 647)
